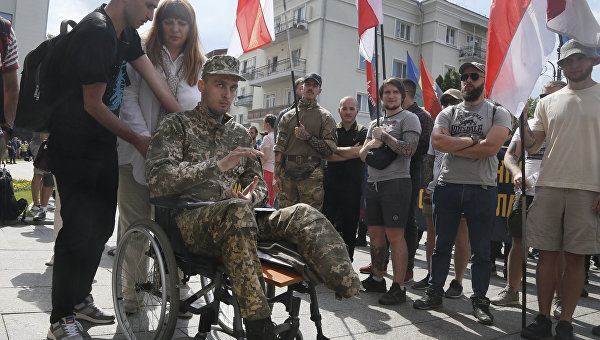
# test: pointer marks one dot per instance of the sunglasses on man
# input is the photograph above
(465, 76)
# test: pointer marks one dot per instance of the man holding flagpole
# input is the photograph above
(564, 215)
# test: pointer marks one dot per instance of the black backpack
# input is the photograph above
(10, 208)
(4, 40)
(40, 94)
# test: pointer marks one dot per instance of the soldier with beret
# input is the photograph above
(202, 155)
(302, 142)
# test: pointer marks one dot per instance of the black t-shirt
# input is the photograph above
(349, 172)
(94, 55)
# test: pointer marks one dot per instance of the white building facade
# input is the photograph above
(29, 19)
(324, 40)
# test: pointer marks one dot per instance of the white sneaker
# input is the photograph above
(35, 207)
(89, 311)
(67, 328)
(50, 261)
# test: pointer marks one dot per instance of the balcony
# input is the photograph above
(471, 53)
(245, 100)
(261, 113)
(296, 27)
(275, 72)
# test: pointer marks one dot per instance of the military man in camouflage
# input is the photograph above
(201, 155)
(300, 146)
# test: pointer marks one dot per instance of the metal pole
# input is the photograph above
(377, 76)
(524, 251)
(382, 52)
(291, 63)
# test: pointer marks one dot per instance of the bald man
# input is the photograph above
(344, 175)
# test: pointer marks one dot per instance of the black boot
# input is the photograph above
(262, 329)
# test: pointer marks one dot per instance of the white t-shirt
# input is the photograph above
(437, 165)
(268, 161)
(532, 162)
(571, 121)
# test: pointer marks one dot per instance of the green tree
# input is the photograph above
(451, 80)
(440, 81)
(531, 104)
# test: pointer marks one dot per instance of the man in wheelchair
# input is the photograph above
(201, 155)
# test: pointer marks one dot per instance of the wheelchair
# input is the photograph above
(157, 302)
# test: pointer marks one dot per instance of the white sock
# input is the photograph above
(378, 279)
(44, 208)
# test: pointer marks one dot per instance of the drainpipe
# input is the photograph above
(421, 28)
(323, 37)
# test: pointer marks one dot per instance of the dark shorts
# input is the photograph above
(515, 218)
(388, 203)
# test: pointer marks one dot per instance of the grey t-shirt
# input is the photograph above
(395, 125)
(465, 121)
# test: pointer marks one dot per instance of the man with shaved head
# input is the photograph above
(344, 175)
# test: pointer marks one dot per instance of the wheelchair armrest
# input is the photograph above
(176, 202)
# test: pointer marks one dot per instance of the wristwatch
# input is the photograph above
(475, 139)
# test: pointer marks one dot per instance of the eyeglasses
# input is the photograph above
(465, 76)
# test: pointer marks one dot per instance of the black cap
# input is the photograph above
(314, 76)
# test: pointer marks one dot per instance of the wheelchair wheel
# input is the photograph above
(226, 312)
(283, 329)
(145, 291)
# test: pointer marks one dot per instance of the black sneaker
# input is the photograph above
(481, 311)
(564, 330)
(371, 285)
(539, 329)
(429, 301)
(262, 329)
(394, 296)
(454, 291)
(421, 285)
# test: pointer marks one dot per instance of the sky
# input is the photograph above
(216, 19)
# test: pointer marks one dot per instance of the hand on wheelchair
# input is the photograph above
(233, 158)
(246, 194)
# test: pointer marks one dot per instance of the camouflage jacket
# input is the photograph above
(183, 154)
(317, 121)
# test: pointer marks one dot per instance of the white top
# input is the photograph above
(571, 121)
(437, 165)
(532, 162)
(140, 109)
(268, 161)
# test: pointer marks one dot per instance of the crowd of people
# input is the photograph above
(155, 113)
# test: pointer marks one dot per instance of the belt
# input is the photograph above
(302, 158)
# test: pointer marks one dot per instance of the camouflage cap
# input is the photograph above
(222, 64)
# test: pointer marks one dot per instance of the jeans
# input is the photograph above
(479, 206)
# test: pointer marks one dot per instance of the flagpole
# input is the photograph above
(377, 76)
(291, 64)
(560, 43)
(382, 52)
(524, 246)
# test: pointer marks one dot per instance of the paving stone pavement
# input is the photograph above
(25, 287)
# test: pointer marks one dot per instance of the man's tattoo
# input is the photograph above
(428, 164)
(278, 163)
(378, 257)
(320, 146)
(532, 136)
(404, 147)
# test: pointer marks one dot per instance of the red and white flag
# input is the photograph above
(518, 46)
(370, 14)
(574, 19)
(254, 26)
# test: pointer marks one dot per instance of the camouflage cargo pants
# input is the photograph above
(230, 229)
(309, 190)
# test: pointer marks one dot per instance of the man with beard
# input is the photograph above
(471, 133)
(302, 141)
(388, 191)
(564, 213)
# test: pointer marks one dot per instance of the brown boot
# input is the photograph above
(262, 329)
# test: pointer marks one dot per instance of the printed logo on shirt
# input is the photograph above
(467, 125)
(114, 94)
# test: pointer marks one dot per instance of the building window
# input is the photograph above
(399, 69)
(402, 30)
(299, 15)
(240, 119)
(272, 64)
(277, 24)
(248, 65)
(448, 68)
(450, 36)
(363, 102)
(269, 100)
(362, 63)
(6, 16)
(289, 96)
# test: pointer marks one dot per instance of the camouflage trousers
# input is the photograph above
(230, 229)
(309, 190)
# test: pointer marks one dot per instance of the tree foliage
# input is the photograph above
(451, 80)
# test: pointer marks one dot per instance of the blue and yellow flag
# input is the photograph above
(412, 72)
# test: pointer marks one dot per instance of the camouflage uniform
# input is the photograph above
(182, 159)
(302, 173)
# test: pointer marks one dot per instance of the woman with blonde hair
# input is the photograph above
(173, 47)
